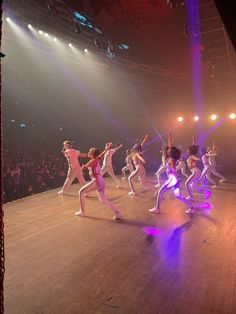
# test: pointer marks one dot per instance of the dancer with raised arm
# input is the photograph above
(206, 172)
(97, 182)
(212, 162)
(162, 168)
(107, 163)
(139, 171)
(192, 181)
(129, 167)
(172, 181)
(74, 170)
(181, 165)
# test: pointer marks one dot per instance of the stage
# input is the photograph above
(57, 262)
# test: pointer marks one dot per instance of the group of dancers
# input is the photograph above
(172, 163)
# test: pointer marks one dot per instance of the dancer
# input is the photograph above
(129, 166)
(193, 179)
(206, 172)
(172, 181)
(212, 162)
(97, 182)
(74, 170)
(139, 171)
(107, 163)
(181, 165)
(162, 168)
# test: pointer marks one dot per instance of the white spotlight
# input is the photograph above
(196, 118)
(29, 26)
(213, 117)
(85, 50)
(55, 39)
(46, 34)
(180, 119)
(70, 45)
(8, 19)
(232, 116)
(40, 32)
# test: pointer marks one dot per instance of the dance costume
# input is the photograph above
(182, 166)
(193, 179)
(74, 170)
(207, 168)
(108, 167)
(171, 182)
(212, 163)
(128, 167)
(97, 183)
(161, 169)
(139, 172)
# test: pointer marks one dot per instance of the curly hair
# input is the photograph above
(193, 150)
(174, 153)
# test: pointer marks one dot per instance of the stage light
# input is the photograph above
(196, 118)
(46, 34)
(85, 50)
(29, 26)
(213, 117)
(55, 39)
(232, 116)
(8, 19)
(180, 119)
(110, 51)
(40, 32)
(70, 45)
(97, 43)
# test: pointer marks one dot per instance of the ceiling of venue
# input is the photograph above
(155, 32)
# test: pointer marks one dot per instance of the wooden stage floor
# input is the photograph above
(146, 263)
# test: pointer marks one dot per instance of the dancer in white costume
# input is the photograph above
(181, 165)
(172, 181)
(207, 168)
(74, 170)
(212, 162)
(162, 168)
(97, 182)
(192, 181)
(139, 171)
(129, 167)
(107, 163)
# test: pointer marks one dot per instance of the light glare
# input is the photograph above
(232, 116)
(196, 118)
(85, 50)
(55, 39)
(180, 119)
(29, 26)
(70, 45)
(213, 117)
(40, 32)
(46, 34)
(8, 19)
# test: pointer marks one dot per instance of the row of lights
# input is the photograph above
(8, 19)
(213, 117)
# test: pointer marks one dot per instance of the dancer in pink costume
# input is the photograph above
(97, 182)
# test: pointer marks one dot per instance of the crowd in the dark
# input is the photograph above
(26, 173)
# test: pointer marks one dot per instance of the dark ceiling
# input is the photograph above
(153, 29)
